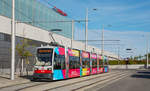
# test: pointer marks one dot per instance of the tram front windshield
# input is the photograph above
(44, 57)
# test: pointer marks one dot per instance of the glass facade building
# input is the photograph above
(37, 14)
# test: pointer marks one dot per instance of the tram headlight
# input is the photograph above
(48, 68)
(36, 69)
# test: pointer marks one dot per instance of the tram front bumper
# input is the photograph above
(42, 76)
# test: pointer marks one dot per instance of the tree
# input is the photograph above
(23, 53)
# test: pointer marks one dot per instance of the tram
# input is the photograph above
(85, 60)
(56, 63)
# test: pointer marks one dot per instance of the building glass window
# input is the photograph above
(7, 38)
(33, 10)
(1, 36)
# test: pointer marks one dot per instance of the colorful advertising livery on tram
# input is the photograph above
(56, 63)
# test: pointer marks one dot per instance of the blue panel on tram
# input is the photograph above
(57, 50)
(57, 75)
(105, 69)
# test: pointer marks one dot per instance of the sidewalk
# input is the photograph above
(5, 79)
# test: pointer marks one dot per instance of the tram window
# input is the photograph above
(63, 66)
(77, 64)
(105, 62)
(74, 62)
(85, 63)
(94, 63)
(59, 62)
(100, 62)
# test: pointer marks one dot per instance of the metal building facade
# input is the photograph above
(33, 13)
(37, 14)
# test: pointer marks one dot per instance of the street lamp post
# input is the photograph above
(118, 53)
(102, 52)
(13, 42)
(147, 50)
(86, 29)
(147, 55)
(72, 33)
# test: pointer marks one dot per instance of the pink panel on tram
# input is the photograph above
(62, 51)
(101, 70)
(64, 73)
(85, 54)
(88, 71)
(98, 71)
(99, 57)
(69, 52)
(94, 70)
(94, 56)
(74, 73)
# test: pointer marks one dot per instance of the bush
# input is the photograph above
(113, 62)
(123, 62)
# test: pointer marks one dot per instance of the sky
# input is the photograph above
(129, 20)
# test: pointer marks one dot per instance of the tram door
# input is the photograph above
(85, 56)
(94, 63)
(74, 63)
(59, 71)
(105, 64)
(100, 59)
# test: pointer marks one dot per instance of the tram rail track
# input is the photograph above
(70, 79)
(99, 85)
(100, 82)
(27, 85)
(72, 84)
(77, 82)
(13, 85)
(21, 85)
(67, 80)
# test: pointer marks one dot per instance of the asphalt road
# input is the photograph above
(138, 81)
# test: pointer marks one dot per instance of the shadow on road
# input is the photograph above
(142, 74)
(30, 77)
(27, 77)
